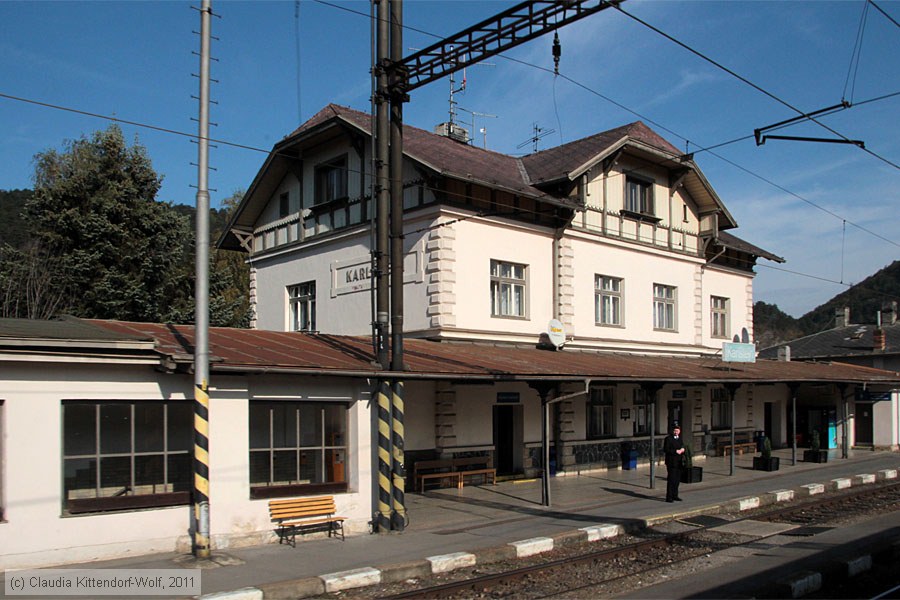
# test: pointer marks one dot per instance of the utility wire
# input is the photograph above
(750, 83)
(881, 10)
(855, 55)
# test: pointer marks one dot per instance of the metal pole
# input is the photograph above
(545, 450)
(398, 514)
(201, 306)
(652, 418)
(794, 424)
(382, 520)
(731, 391)
(382, 206)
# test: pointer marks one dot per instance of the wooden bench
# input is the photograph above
(299, 514)
(742, 443)
(441, 470)
(453, 472)
(475, 466)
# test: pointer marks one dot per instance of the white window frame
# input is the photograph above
(509, 289)
(665, 307)
(719, 309)
(609, 300)
(302, 306)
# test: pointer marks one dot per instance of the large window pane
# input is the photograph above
(180, 473)
(79, 429)
(259, 426)
(335, 424)
(115, 428)
(284, 466)
(115, 476)
(311, 466)
(149, 473)
(310, 425)
(80, 478)
(284, 426)
(149, 431)
(180, 426)
(259, 467)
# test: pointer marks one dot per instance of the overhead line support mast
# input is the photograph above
(396, 77)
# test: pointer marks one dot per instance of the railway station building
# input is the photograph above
(597, 280)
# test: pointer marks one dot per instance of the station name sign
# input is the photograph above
(735, 352)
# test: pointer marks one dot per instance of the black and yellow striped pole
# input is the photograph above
(382, 523)
(200, 524)
(201, 471)
(398, 514)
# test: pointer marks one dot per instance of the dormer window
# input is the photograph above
(331, 180)
(639, 196)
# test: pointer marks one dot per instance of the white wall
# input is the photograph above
(35, 532)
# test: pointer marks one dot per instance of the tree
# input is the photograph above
(121, 252)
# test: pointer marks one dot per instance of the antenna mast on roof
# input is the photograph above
(538, 134)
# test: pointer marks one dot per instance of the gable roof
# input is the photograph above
(528, 176)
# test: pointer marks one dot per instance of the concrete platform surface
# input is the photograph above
(478, 523)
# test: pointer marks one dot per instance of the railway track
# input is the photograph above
(630, 562)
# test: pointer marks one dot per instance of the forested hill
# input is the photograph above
(772, 326)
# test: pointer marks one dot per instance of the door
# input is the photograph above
(676, 415)
(767, 419)
(508, 438)
(864, 423)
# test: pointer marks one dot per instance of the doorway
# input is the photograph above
(767, 419)
(863, 424)
(508, 438)
(676, 415)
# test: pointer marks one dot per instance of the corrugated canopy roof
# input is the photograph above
(255, 351)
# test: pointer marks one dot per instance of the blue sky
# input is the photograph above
(830, 209)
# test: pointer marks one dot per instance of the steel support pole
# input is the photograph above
(381, 522)
(652, 418)
(201, 545)
(794, 388)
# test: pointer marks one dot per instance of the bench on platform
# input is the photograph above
(453, 471)
(441, 470)
(742, 443)
(475, 466)
(295, 515)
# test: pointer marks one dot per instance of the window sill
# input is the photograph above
(612, 325)
(124, 503)
(307, 489)
(513, 317)
(640, 216)
(665, 330)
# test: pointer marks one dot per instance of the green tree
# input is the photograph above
(121, 252)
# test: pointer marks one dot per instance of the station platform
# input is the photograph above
(476, 521)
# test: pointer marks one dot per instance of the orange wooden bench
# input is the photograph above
(295, 515)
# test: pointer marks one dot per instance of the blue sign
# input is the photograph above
(734, 352)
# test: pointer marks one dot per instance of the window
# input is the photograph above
(718, 317)
(284, 205)
(119, 455)
(297, 447)
(664, 300)
(302, 300)
(331, 180)
(607, 300)
(600, 413)
(508, 289)
(638, 196)
(721, 409)
(641, 411)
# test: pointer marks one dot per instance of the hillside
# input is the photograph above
(865, 299)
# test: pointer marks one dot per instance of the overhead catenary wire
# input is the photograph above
(751, 84)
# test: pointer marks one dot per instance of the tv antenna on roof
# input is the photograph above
(538, 134)
(483, 130)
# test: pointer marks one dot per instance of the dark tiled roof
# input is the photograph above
(850, 341)
(441, 153)
(556, 163)
(64, 328)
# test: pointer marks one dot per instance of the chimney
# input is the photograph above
(784, 354)
(878, 340)
(841, 317)
(889, 313)
(453, 131)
